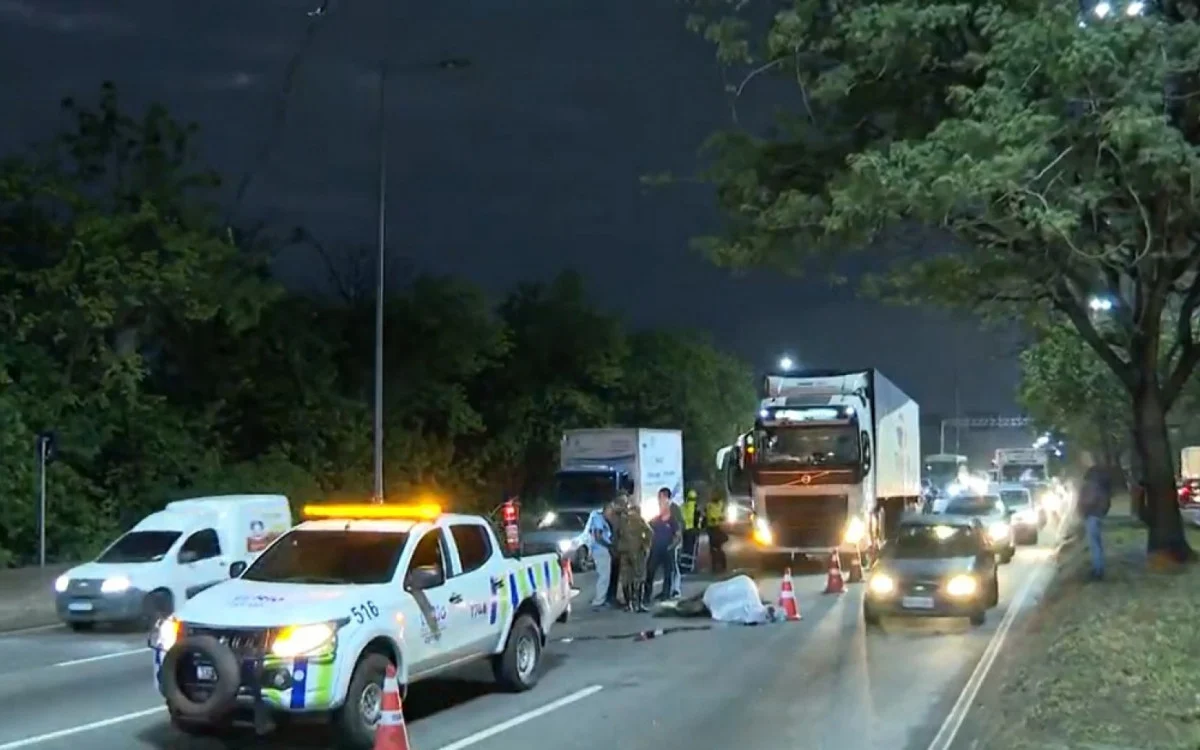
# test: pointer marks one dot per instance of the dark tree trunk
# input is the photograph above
(1153, 448)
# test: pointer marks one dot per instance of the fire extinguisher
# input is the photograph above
(510, 518)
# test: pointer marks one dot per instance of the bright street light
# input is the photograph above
(1102, 10)
(1100, 304)
(786, 363)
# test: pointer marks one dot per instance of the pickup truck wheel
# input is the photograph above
(517, 668)
(356, 719)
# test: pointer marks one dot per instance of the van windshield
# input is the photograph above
(333, 556)
(140, 547)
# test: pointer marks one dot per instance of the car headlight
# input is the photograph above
(115, 585)
(998, 531)
(881, 584)
(564, 545)
(855, 531)
(731, 514)
(762, 533)
(1026, 515)
(962, 586)
(301, 640)
(547, 519)
(61, 583)
(168, 633)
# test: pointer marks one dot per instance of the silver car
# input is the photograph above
(563, 531)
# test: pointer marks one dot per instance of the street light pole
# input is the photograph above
(380, 268)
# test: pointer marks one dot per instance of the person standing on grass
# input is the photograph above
(1093, 504)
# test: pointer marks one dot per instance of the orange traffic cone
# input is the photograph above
(835, 583)
(787, 597)
(856, 569)
(390, 732)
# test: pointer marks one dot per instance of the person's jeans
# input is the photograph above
(660, 558)
(603, 572)
(1092, 526)
(676, 587)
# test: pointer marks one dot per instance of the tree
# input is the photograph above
(1060, 154)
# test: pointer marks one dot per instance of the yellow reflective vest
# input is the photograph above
(714, 513)
(689, 514)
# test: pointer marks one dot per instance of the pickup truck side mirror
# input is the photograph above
(419, 579)
(237, 568)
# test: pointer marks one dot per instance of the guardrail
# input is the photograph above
(27, 597)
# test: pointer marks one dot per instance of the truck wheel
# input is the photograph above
(979, 618)
(200, 702)
(517, 668)
(994, 594)
(82, 627)
(871, 618)
(355, 721)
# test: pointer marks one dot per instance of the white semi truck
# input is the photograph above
(834, 461)
(596, 464)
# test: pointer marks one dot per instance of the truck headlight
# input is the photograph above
(115, 585)
(61, 583)
(762, 533)
(301, 640)
(962, 586)
(998, 531)
(168, 633)
(564, 545)
(881, 584)
(855, 531)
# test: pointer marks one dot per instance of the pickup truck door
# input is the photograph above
(480, 568)
(430, 631)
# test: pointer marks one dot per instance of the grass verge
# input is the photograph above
(1101, 666)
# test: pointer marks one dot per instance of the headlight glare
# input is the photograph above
(998, 531)
(855, 531)
(168, 633)
(962, 586)
(61, 583)
(564, 545)
(762, 532)
(115, 585)
(301, 640)
(881, 584)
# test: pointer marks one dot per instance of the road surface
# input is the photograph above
(823, 683)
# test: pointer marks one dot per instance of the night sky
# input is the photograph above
(521, 164)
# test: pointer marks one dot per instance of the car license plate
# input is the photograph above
(205, 673)
(80, 606)
(917, 602)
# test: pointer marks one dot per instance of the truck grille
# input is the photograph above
(808, 521)
(242, 641)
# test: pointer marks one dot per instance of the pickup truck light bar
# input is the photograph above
(363, 511)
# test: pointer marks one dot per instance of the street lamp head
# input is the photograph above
(786, 363)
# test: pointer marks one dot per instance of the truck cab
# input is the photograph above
(312, 625)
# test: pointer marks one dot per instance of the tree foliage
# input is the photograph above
(1059, 150)
(153, 340)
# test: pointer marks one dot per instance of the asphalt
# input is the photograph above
(824, 682)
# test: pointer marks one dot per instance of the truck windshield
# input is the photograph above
(140, 547)
(331, 556)
(931, 542)
(583, 489)
(1023, 473)
(810, 446)
(942, 473)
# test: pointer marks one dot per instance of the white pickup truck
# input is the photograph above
(312, 624)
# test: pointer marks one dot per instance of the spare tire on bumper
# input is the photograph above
(193, 700)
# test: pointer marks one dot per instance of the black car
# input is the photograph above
(934, 567)
(990, 511)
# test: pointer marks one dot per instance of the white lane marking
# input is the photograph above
(101, 657)
(36, 629)
(72, 731)
(958, 713)
(515, 721)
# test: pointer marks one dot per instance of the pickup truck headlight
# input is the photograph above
(762, 533)
(168, 633)
(61, 583)
(855, 531)
(962, 586)
(115, 585)
(302, 640)
(998, 531)
(881, 584)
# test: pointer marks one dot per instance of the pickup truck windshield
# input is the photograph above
(140, 547)
(331, 556)
(810, 446)
(932, 542)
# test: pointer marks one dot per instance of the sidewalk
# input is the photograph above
(27, 597)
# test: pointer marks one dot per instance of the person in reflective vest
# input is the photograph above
(691, 525)
(714, 516)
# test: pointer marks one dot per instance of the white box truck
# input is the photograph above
(836, 458)
(595, 464)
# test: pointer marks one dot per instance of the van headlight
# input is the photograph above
(855, 531)
(998, 531)
(115, 585)
(962, 586)
(881, 584)
(564, 545)
(168, 633)
(762, 533)
(303, 640)
(61, 583)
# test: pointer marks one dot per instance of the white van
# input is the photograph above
(169, 557)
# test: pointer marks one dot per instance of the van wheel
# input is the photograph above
(355, 721)
(870, 617)
(82, 627)
(517, 669)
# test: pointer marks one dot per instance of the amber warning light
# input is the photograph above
(400, 512)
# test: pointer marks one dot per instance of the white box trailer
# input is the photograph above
(1189, 462)
(595, 464)
(837, 458)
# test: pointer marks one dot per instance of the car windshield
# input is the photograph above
(1015, 498)
(972, 505)
(926, 542)
(140, 547)
(812, 446)
(563, 521)
(584, 489)
(333, 556)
